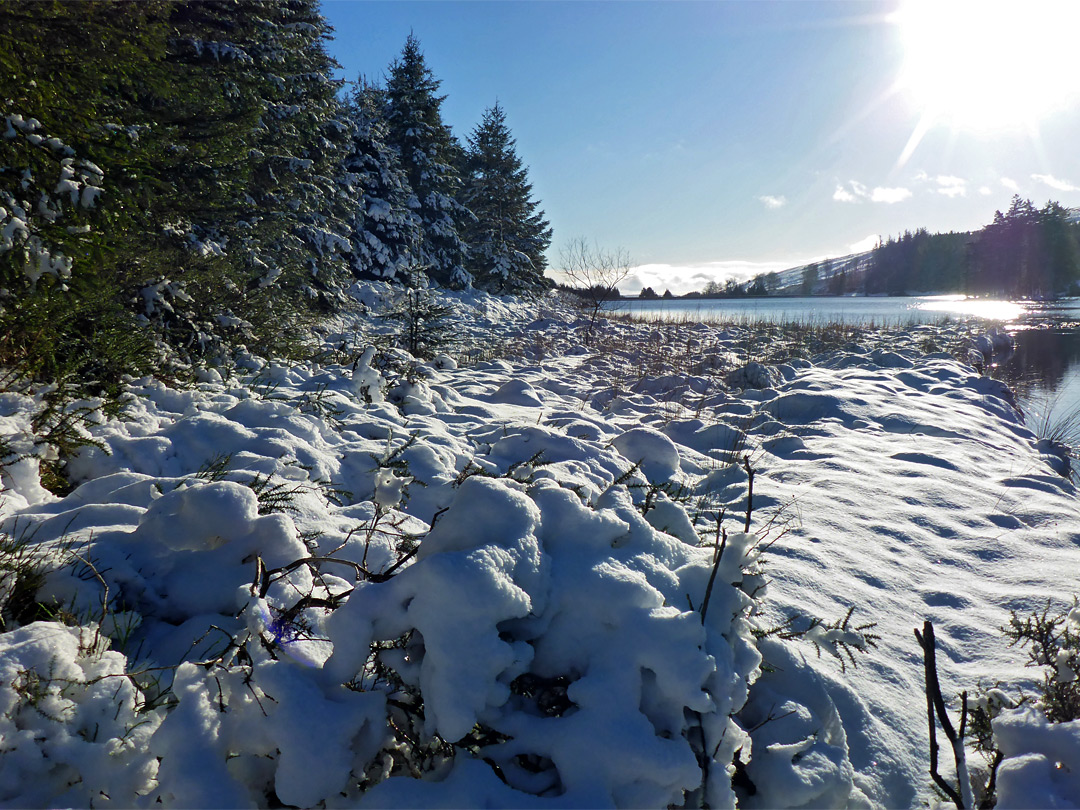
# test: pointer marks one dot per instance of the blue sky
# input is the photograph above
(717, 138)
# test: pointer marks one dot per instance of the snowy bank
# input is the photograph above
(390, 582)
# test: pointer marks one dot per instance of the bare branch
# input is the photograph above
(594, 273)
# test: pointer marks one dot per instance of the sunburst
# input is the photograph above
(984, 66)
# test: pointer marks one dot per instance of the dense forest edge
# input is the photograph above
(182, 179)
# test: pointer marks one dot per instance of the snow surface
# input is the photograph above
(482, 580)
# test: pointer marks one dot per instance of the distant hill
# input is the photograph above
(853, 267)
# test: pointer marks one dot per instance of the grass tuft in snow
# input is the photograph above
(1059, 427)
(23, 566)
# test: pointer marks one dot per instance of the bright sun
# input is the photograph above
(990, 64)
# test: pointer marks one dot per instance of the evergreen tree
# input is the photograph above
(73, 150)
(509, 236)
(386, 232)
(1062, 247)
(198, 202)
(429, 155)
(1007, 254)
(166, 162)
(299, 203)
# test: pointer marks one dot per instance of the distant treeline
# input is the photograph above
(1026, 252)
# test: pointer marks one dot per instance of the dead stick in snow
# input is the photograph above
(749, 492)
(935, 703)
(716, 565)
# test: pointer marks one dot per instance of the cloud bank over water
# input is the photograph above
(684, 278)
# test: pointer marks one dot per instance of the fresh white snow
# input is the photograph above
(386, 582)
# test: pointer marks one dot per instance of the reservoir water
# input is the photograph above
(1044, 370)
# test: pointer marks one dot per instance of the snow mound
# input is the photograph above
(655, 452)
(753, 375)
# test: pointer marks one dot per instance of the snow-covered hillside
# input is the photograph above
(382, 582)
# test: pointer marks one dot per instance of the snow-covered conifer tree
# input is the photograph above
(430, 156)
(72, 156)
(298, 203)
(386, 231)
(509, 236)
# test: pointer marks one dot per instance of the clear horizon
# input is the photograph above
(720, 139)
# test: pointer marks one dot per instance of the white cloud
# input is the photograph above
(857, 192)
(986, 191)
(889, 195)
(773, 202)
(950, 186)
(1054, 182)
(947, 185)
(843, 195)
(1010, 184)
(950, 180)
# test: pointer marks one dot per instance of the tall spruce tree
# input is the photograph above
(386, 231)
(509, 235)
(204, 190)
(430, 156)
(229, 193)
(298, 204)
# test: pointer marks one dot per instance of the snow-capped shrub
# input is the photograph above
(799, 755)
(1041, 759)
(74, 726)
(753, 375)
(1052, 641)
(545, 640)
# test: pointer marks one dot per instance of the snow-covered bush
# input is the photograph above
(1052, 641)
(496, 624)
(532, 633)
(1030, 744)
(75, 728)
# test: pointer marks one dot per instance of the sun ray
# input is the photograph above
(924, 125)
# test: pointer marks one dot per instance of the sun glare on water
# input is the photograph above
(990, 64)
(961, 306)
